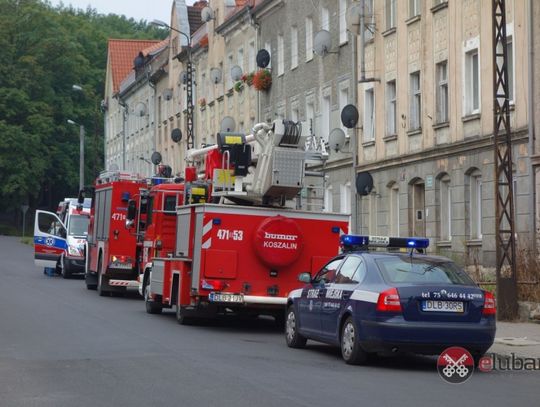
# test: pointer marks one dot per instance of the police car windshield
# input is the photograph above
(78, 225)
(407, 269)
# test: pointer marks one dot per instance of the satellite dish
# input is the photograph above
(349, 116)
(207, 14)
(322, 42)
(183, 77)
(336, 139)
(176, 135)
(227, 124)
(364, 183)
(353, 17)
(167, 94)
(138, 62)
(215, 75)
(140, 109)
(155, 158)
(236, 73)
(263, 58)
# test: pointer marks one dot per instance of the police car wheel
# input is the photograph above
(351, 351)
(293, 338)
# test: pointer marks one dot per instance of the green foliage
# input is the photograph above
(45, 51)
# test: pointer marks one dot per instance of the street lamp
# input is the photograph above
(81, 153)
(189, 81)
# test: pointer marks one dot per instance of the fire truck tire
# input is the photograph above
(90, 282)
(181, 317)
(351, 350)
(279, 320)
(293, 338)
(152, 307)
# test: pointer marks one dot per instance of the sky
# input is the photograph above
(138, 9)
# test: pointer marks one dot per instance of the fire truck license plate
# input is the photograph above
(226, 297)
(442, 306)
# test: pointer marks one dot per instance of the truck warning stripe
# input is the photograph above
(207, 235)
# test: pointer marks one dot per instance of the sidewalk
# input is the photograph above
(520, 338)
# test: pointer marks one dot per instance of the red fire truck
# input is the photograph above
(243, 252)
(111, 253)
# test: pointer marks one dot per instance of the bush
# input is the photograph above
(262, 80)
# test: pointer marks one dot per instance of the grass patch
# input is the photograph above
(27, 240)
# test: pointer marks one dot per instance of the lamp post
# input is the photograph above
(189, 81)
(81, 153)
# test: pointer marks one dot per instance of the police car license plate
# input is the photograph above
(226, 297)
(442, 306)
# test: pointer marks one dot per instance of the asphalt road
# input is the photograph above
(61, 345)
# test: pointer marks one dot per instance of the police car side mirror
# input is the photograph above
(304, 278)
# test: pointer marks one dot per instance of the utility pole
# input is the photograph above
(507, 306)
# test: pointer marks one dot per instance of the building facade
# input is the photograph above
(427, 123)
(310, 87)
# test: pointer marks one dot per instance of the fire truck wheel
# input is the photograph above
(152, 307)
(279, 320)
(181, 317)
(292, 336)
(351, 350)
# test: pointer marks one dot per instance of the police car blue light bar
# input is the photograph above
(384, 241)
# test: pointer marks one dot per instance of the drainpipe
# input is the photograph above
(530, 115)
(354, 137)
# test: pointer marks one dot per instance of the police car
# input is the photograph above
(390, 301)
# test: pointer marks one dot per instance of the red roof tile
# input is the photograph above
(121, 54)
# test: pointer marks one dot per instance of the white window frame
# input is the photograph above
(393, 229)
(343, 101)
(475, 205)
(268, 47)
(294, 47)
(325, 19)
(309, 39)
(511, 62)
(251, 57)
(326, 105)
(342, 21)
(415, 107)
(442, 113)
(280, 55)
(230, 64)
(415, 8)
(472, 101)
(391, 107)
(369, 113)
(390, 14)
(345, 198)
(328, 199)
(445, 205)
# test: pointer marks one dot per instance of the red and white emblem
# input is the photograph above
(455, 365)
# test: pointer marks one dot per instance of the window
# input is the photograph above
(328, 272)
(240, 58)
(310, 113)
(309, 39)
(280, 55)
(342, 21)
(510, 68)
(229, 75)
(294, 47)
(325, 120)
(369, 19)
(369, 115)
(328, 199)
(394, 210)
(472, 84)
(475, 205)
(442, 91)
(437, 2)
(251, 57)
(391, 108)
(415, 8)
(345, 198)
(325, 19)
(390, 14)
(415, 114)
(352, 271)
(343, 101)
(268, 47)
(445, 205)
(294, 114)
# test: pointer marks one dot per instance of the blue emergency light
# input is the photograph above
(355, 242)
